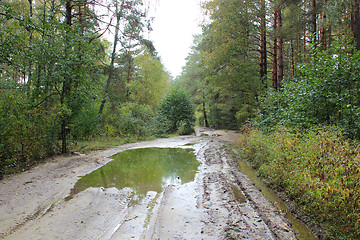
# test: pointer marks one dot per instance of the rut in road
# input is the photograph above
(221, 202)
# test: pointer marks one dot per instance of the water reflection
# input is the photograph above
(145, 169)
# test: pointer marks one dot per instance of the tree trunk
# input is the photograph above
(274, 60)
(263, 52)
(30, 46)
(66, 87)
(313, 20)
(280, 51)
(299, 40)
(323, 30)
(128, 71)
(293, 70)
(355, 23)
(113, 55)
(204, 111)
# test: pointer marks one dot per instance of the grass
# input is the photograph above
(103, 143)
(85, 146)
(318, 169)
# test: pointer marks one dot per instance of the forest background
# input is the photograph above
(285, 72)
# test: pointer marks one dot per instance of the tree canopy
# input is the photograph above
(61, 80)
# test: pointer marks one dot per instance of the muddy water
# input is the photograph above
(303, 232)
(143, 170)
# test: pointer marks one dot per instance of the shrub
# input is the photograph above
(326, 92)
(177, 111)
(24, 131)
(86, 123)
(318, 169)
(130, 120)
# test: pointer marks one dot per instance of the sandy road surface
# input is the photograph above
(221, 203)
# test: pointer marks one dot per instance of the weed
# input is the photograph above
(319, 169)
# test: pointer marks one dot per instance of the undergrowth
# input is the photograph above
(318, 169)
(102, 143)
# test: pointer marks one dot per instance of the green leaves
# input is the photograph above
(318, 169)
(326, 92)
(151, 82)
(223, 66)
(177, 109)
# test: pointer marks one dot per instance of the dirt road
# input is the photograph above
(221, 202)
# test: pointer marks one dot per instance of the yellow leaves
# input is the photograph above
(346, 193)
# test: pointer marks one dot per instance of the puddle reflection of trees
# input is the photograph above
(145, 169)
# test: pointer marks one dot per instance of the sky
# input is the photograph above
(175, 23)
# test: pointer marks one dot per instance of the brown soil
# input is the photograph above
(221, 203)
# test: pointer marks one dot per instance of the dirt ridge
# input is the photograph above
(33, 203)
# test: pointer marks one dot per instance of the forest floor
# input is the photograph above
(221, 202)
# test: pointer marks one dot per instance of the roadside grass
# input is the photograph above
(319, 170)
(103, 143)
(96, 144)
(13, 166)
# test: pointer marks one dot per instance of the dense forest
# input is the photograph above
(74, 70)
(284, 72)
(289, 62)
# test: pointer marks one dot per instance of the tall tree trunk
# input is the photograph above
(292, 58)
(30, 63)
(128, 70)
(66, 86)
(275, 46)
(280, 50)
(323, 29)
(313, 20)
(299, 40)
(204, 111)
(263, 51)
(113, 56)
(355, 23)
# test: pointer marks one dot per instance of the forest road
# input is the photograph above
(221, 202)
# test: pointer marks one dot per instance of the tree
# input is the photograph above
(355, 22)
(263, 48)
(326, 92)
(231, 59)
(151, 81)
(130, 22)
(192, 79)
(177, 109)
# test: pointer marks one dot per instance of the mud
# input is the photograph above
(221, 202)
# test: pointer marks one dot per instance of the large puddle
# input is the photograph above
(143, 170)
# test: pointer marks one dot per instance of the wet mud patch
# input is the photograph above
(250, 185)
(143, 170)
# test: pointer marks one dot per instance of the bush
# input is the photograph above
(129, 120)
(318, 169)
(177, 111)
(326, 92)
(24, 132)
(86, 123)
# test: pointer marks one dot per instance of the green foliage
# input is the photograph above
(326, 92)
(222, 70)
(178, 112)
(192, 79)
(100, 142)
(318, 169)
(23, 133)
(151, 82)
(131, 119)
(53, 70)
(87, 122)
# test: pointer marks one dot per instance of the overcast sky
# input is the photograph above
(176, 21)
